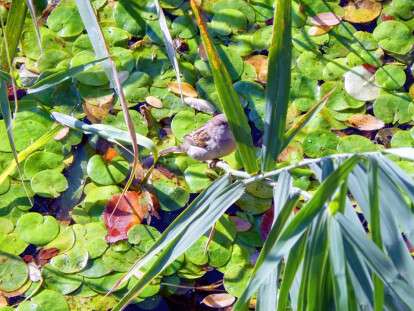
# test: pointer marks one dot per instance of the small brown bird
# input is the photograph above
(211, 141)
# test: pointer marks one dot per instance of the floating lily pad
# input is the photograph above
(390, 77)
(107, 173)
(65, 20)
(227, 21)
(252, 204)
(170, 195)
(120, 261)
(402, 139)
(394, 36)
(95, 269)
(12, 243)
(128, 18)
(355, 143)
(196, 177)
(197, 253)
(49, 183)
(220, 247)
(46, 300)
(104, 284)
(58, 281)
(95, 242)
(41, 160)
(143, 236)
(72, 261)
(13, 272)
(183, 27)
(37, 229)
(393, 108)
(64, 241)
(319, 144)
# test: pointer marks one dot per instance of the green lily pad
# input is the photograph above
(355, 143)
(390, 77)
(49, 300)
(65, 20)
(241, 6)
(53, 59)
(320, 143)
(253, 205)
(143, 236)
(402, 139)
(400, 8)
(196, 177)
(394, 36)
(120, 261)
(72, 261)
(64, 241)
(6, 226)
(197, 253)
(58, 281)
(183, 27)
(231, 60)
(37, 229)
(136, 87)
(310, 65)
(191, 271)
(186, 122)
(49, 183)
(227, 21)
(107, 173)
(220, 247)
(128, 18)
(13, 272)
(96, 268)
(49, 41)
(95, 243)
(393, 108)
(12, 243)
(170, 195)
(42, 160)
(15, 198)
(237, 271)
(104, 284)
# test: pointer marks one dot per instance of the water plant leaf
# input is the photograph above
(278, 85)
(362, 12)
(37, 229)
(13, 272)
(49, 183)
(359, 84)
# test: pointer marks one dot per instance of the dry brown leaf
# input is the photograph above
(187, 89)
(365, 122)
(241, 224)
(284, 156)
(219, 300)
(121, 213)
(259, 62)
(3, 301)
(384, 136)
(319, 30)
(362, 11)
(110, 154)
(154, 101)
(96, 109)
(325, 19)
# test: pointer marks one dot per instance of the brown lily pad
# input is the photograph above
(362, 11)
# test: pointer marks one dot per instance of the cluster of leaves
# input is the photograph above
(359, 54)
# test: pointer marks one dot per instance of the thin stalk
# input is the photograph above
(375, 222)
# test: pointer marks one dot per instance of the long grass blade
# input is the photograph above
(375, 225)
(12, 32)
(229, 99)
(278, 84)
(169, 45)
(293, 262)
(338, 264)
(377, 261)
(275, 248)
(61, 76)
(32, 10)
(96, 37)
